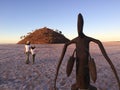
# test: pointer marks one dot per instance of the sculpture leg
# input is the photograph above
(92, 87)
(83, 78)
(74, 87)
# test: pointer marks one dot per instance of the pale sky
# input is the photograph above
(18, 17)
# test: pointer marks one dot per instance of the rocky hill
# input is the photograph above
(44, 36)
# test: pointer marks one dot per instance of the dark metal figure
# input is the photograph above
(82, 55)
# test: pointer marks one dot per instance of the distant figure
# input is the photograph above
(27, 51)
(82, 58)
(33, 52)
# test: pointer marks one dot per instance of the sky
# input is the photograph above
(18, 17)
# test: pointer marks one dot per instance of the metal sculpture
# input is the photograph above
(82, 59)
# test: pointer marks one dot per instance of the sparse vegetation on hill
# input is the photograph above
(44, 36)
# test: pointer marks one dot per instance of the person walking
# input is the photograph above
(27, 51)
(33, 52)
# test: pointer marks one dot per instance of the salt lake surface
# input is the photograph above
(16, 75)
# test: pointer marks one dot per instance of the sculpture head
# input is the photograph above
(80, 25)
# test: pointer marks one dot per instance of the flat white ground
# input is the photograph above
(16, 75)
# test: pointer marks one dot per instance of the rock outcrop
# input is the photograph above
(44, 36)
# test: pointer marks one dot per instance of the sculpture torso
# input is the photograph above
(82, 51)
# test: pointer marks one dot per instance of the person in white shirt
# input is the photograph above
(33, 52)
(27, 51)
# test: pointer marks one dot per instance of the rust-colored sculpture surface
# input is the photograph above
(82, 57)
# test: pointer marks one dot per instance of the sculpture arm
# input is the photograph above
(60, 60)
(108, 59)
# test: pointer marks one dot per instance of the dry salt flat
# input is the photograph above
(16, 75)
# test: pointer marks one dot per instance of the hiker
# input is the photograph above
(33, 52)
(82, 59)
(27, 51)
